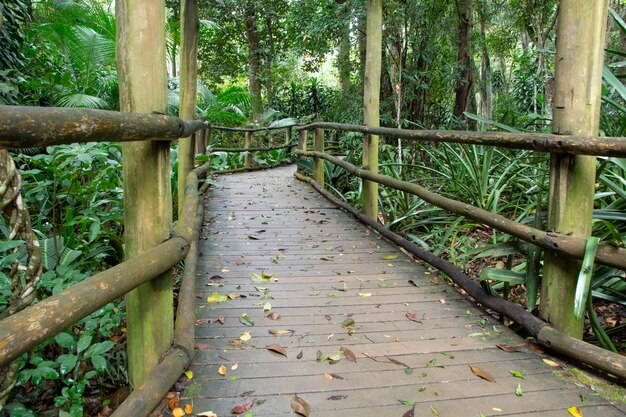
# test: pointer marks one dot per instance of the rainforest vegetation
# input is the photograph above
(446, 64)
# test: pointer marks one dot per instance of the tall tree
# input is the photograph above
(464, 49)
(254, 61)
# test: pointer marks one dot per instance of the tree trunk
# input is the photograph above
(142, 74)
(188, 89)
(254, 50)
(343, 58)
(578, 88)
(371, 102)
(464, 78)
(486, 99)
(362, 26)
(269, 60)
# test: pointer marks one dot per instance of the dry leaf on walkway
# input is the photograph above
(298, 405)
(188, 408)
(245, 336)
(299, 355)
(575, 411)
(206, 414)
(242, 408)
(328, 376)
(482, 374)
(281, 332)
(506, 348)
(348, 354)
(178, 412)
(273, 316)
(277, 349)
(551, 363)
(413, 283)
(411, 316)
(221, 319)
(222, 370)
(240, 262)
(409, 413)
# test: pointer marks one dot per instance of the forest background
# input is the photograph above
(447, 64)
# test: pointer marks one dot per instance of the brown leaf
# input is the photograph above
(411, 316)
(413, 283)
(252, 237)
(172, 403)
(337, 397)
(242, 408)
(298, 405)
(397, 362)
(482, 374)
(348, 354)
(221, 319)
(299, 355)
(328, 376)
(327, 317)
(240, 262)
(536, 348)
(273, 316)
(277, 349)
(409, 413)
(335, 376)
(506, 348)
(222, 370)
(233, 295)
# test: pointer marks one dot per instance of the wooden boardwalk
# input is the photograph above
(323, 271)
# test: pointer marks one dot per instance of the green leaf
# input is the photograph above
(47, 372)
(408, 371)
(431, 362)
(18, 410)
(518, 390)
(502, 275)
(407, 403)
(584, 277)
(94, 231)
(516, 374)
(216, 297)
(6, 245)
(83, 343)
(67, 363)
(65, 340)
(102, 347)
(246, 320)
(99, 363)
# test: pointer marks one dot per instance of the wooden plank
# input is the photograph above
(451, 335)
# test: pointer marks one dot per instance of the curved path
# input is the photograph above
(336, 286)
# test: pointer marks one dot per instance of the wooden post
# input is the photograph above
(207, 139)
(188, 89)
(371, 105)
(288, 133)
(142, 73)
(318, 163)
(199, 141)
(248, 144)
(578, 84)
(302, 145)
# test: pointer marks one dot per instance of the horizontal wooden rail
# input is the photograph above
(252, 129)
(579, 145)
(270, 148)
(26, 329)
(31, 127)
(544, 333)
(557, 243)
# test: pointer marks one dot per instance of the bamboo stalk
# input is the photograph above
(318, 163)
(554, 242)
(574, 144)
(547, 335)
(31, 127)
(248, 144)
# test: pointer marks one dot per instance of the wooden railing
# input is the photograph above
(567, 246)
(31, 127)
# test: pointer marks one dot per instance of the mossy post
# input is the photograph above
(288, 132)
(371, 102)
(248, 144)
(142, 73)
(188, 89)
(302, 145)
(578, 86)
(318, 163)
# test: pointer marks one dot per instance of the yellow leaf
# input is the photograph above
(365, 294)
(551, 363)
(389, 257)
(245, 336)
(216, 297)
(189, 374)
(188, 408)
(178, 412)
(206, 414)
(235, 366)
(267, 307)
(575, 411)
(328, 376)
(233, 295)
(222, 370)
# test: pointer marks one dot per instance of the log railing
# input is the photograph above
(563, 245)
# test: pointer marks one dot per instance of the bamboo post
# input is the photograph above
(288, 133)
(371, 103)
(188, 89)
(302, 145)
(578, 84)
(248, 144)
(142, 73)
(318, 163)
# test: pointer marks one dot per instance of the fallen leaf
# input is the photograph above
(178, 412)
(206, 414)
(298, 405)
(410, 413)
(551, 363)
(327, 317)
(518, 390)
(221, 319)
(172, 403)
(397, 362)
(413, 283)
(389, 257)
(336, 376)
(245, 336)
(222, 370)
(277, 348)
(252, 237)
(365, 294)
(575, 411)
(188, 408)
(337, 397)
(273, 316)
(328, 376)
(482, 374)
(435, 411)
(233, 295)
(442, 301)
(189, 374)
(299, 355)
(216, 297)
(240, 262)
(516, 374)
(267, 307)
(348, 354)
(506, 348)
(281, 332)
(412, 316)
(536, 348)
(244, 319)
(242, 408)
